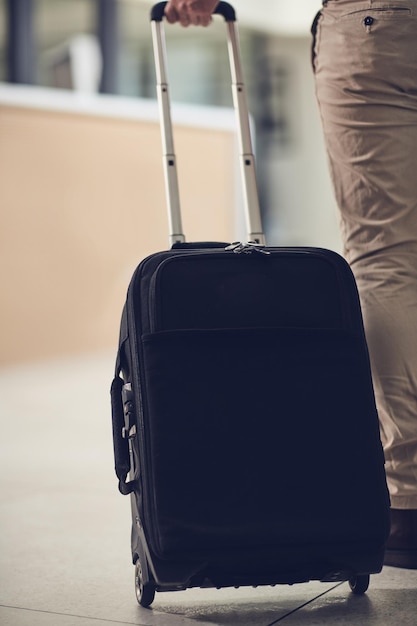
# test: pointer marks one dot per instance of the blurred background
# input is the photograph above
(82, 196)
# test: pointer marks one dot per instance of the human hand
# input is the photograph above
(186, 12)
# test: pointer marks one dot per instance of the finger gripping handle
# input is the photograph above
(223, 8)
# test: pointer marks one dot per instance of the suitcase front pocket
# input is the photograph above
(243, 425)
(215, 290)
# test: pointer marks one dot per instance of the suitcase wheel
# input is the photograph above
(145, 590)
(359, 584)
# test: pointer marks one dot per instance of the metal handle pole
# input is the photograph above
(169, 160)
(247, 159)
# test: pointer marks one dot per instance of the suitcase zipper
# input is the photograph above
(339, 264)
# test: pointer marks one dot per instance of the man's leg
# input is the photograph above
(365, 61)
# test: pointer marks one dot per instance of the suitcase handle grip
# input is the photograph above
(223, 8)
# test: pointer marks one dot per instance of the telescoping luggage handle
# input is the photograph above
(247, 161)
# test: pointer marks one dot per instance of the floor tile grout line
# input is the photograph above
(102, 619)
(298, 608)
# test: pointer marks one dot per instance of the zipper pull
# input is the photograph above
(247, 248)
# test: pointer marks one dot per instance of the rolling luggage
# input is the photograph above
(244, 420)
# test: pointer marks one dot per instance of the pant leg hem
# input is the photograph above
(404, 502)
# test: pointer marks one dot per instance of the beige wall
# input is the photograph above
(82, 201)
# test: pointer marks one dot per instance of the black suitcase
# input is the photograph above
(244, 420)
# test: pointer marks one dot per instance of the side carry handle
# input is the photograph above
(122, 431)
(247, 160)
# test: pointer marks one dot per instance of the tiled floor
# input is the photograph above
(64, 540)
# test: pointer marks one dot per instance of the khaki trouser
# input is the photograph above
(365, 62)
